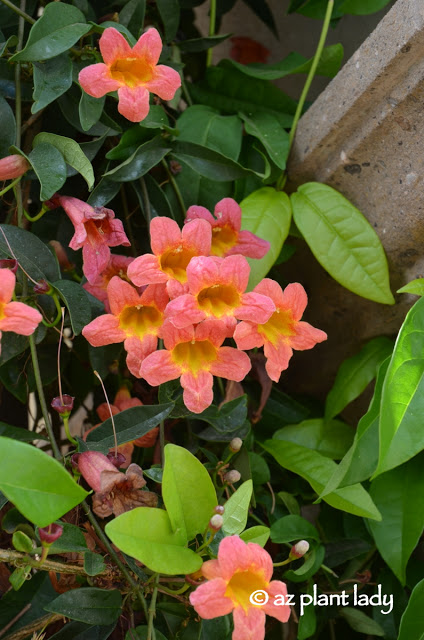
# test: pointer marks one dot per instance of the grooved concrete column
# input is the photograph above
(364, 136)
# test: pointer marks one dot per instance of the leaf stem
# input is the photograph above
(282, 179)
(20, 11)
(175, 187)
(152, 610)
(12, 184)
(212, 25)
(42, 398)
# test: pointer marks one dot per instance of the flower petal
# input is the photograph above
(164, 234)
(295, 299)
(95, 260)
(137, 350)
(165, 82)
(211, 569)
(7, 285)
(255, 308)
(172, 336)
(228, 212)
(231, 364)
(233, 555)
(202, 272)
(117, 235)
(261, 560)
(113, 46)
(96, 81)
(306, 336)
(213, 330)
(277, 359)
(198, 392)
(197, 235)
(209, 599)
(149, 46)
(249, 625)
(195, 212)
(146, 270)
(158, 368)
(247, 337)
(20, 318)
(235, 269)
(272, 289)
(103, 330)
(249, 245)
(184, 311)
(133, 103)
(121, 294)
(155, 294)
(279, 611)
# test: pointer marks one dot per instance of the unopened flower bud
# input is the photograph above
(235, 445)
(219, 509)
(216, 522)
(233, 476)
(118, 461)
(299, 549)
(91, 464)
(42, 286)
(9, 263)
(63, 405)
(49, 534)
(74, 461)
(175, 167)
(13, 167)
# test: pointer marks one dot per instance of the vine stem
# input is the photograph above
(99, 531)
(175, 187)
(14, 557)
(212, 24)
(282, 179)
(19, 11)
(42, 398)
(152, 610)
(18, 99)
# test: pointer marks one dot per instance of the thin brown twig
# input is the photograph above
(32, 627)
(15, 619)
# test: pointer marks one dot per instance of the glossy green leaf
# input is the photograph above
(8, 43)
(93, 563)
(237, 509)
(156, 119)
(291, 528)
(342, 240)
(289, 502)
(207, 162)
(226, 418)
(52, 78)
(12, 344)
(76, 300)
(81, 631)
(132, 15)
(43, 490)
(141, 633)
(330, 438)
(259, 469)
(89, 605)
(308, 621)
(317, 470)
(129, 424)
(71, 541)
(355, 374)
(412, 622)
(90, 109)
(188, 492)
(362, 7)
(266, 213)
(360, 622)
(103, 193)
(169, 11)
(329, 65)
(263, 12)
(146, 534)
(398, 496)
(8, 134)
(99, 28)
(360, 461)
(50, 168)
(16, 433)
(266, 128)
(402, 402)
(216, 629)
(22, 542)
(416, 287)
(201, 44)
(32, 254)
(140, 162)
(71, 151)
(258, 534)
(60, 27)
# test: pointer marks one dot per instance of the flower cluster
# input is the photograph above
(191, 293)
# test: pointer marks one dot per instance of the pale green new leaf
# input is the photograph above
(237, 508)
(412, 622)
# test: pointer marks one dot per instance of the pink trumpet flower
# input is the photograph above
(15, 316)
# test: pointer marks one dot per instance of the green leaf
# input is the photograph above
(289, 502)
(402, 402)
(169, 11)
(308, 621)
(267, 128)
(32, 254)
(310, 566)
(147, 156)
(130, 425)
(60, 27)
(215, 629)
(201, 44)
(20, 576)
(51, 79)
(361, 460)
(342, 240)
(71, 541)
(76, 300)
(330, 438)
(188, 492)
(258, 534)
(22, 542)
(93, 563)
(81, 631)
(89, 605)
(355, 374)
(16, 433)
(8, 43)
(317, 470)
(290, 528)
(237, 509)
(360, 622)
(146, 534)
(141, 633)
(50, 168)
(8, 134)
(43, 490)
(264, 13)
(99, 28)
(132, 15)
(90, 109)
(259, 469)
(156, 119)
(12, 344)
(266, 213)
(416, 287)
(228, 417)
(362, 7)
(71, 151)
(412, 622)
(398, 496)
